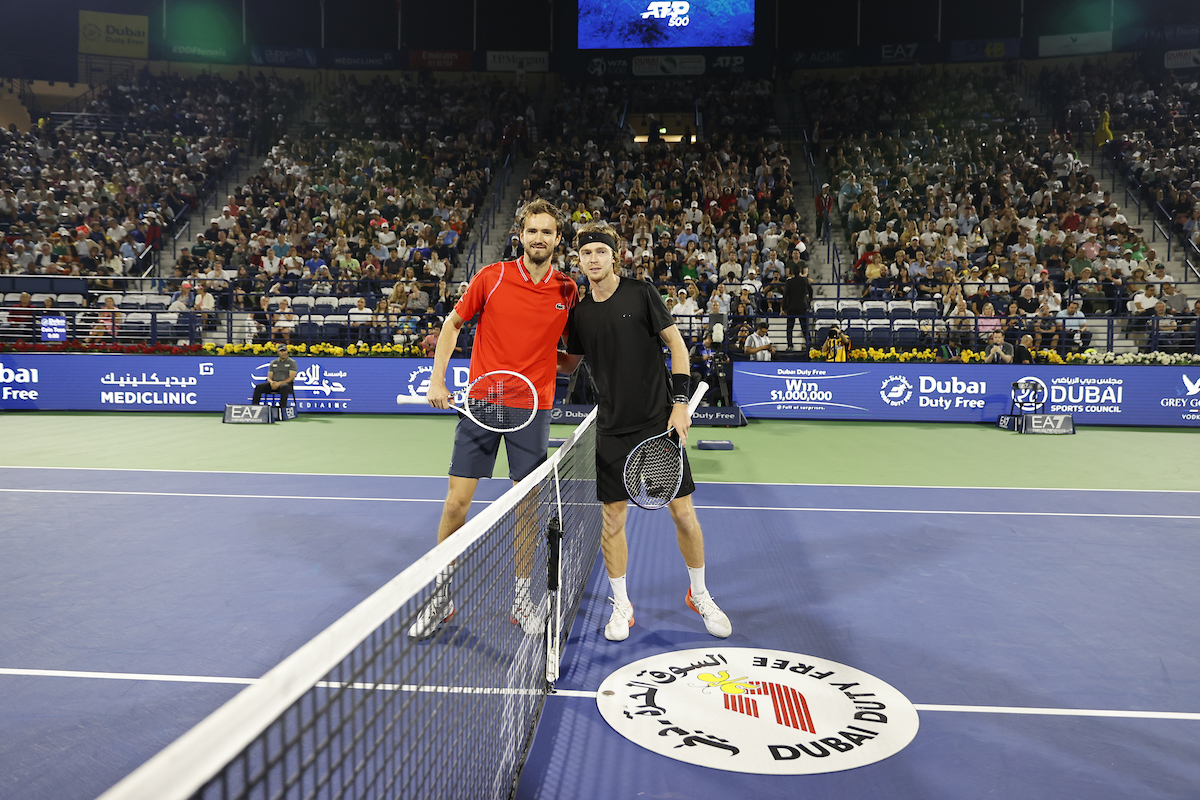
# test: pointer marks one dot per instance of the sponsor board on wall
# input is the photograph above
(827, 57)
(120, 35)
(664, 65)
(512, 60)
(359, 59)
(985, 49)
(262, 55)
(758, 711)
(197, 383)
(1182, 59)
(443, 60)
(1075, 44)
(600, 66)
(1167, 396)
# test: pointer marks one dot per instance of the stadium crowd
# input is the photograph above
(963, 214)
(95, 198)
(712, 222)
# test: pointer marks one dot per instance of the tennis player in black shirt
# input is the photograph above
(621, 326)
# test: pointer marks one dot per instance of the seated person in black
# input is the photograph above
(281, 375)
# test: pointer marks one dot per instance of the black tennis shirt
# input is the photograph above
(620, 338)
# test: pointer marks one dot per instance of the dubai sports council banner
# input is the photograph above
(1132, 395)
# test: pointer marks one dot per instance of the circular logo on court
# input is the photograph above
(767, 712)
(1029, 393)
(91, 31)
(896, 390)
(556, 414)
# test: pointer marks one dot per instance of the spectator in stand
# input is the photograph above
(1073, 327)
(997, 350)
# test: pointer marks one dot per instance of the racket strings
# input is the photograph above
(653, 472)
(501, 401)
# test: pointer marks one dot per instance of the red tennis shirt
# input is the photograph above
(520, 322)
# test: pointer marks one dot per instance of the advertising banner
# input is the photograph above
(662, 66)
(1182, 59)
(439, 59)
(826, 57)
(359, 59)
(512, 60)
(1075, 44)
(303, 57)
(985, 49)
(607, 65)
(956, 393)
(198, 383)
(716, 416)
(121, 35)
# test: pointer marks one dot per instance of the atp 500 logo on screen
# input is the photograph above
(608, 25)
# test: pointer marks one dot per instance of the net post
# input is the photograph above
(554, 537)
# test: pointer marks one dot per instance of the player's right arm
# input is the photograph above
(438, 394)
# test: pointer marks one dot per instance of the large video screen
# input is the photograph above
(636, 24)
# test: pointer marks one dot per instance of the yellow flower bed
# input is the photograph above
(319, 349)
(892, 355)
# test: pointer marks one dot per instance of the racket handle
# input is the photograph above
(412, 400)
(697, 396)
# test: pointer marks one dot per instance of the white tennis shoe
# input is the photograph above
(714, 618)
(525, 614)
(438, 609)
(617, 629)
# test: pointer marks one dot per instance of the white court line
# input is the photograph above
(714, 483)
(809, 509)
(238, 496)
(998, 513)
(576, 693)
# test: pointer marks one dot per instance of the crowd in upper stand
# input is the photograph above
(713, 223)
(1157, 123)
(986, 220)
(91, 200)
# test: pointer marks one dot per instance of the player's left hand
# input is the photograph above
(680, 422)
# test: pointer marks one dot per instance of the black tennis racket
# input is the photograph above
(654, 469)
(500, 401)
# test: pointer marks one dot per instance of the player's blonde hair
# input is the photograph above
(600, 226)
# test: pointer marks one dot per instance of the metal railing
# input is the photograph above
(126, 325)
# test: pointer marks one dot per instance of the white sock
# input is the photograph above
(697, 577)
(523, 588)
(618, 589)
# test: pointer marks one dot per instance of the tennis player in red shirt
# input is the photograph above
(523, 307)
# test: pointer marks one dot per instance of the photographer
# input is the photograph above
(998, 351)
(837, 345)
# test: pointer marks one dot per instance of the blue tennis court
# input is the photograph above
(1044, 636)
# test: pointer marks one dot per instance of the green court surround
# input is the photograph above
(766, 451)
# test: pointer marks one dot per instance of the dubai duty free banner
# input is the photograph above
(1132, 395)
(85, 382)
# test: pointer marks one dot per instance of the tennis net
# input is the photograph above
(365, 712)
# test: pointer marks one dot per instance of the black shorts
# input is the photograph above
(475, 448)
(611, 452)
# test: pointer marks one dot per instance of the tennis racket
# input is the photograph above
(500, 401)
(654, 469)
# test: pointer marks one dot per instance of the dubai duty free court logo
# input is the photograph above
(758, 711)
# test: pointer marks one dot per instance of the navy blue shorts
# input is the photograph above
(475, 448)
(611, 452)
